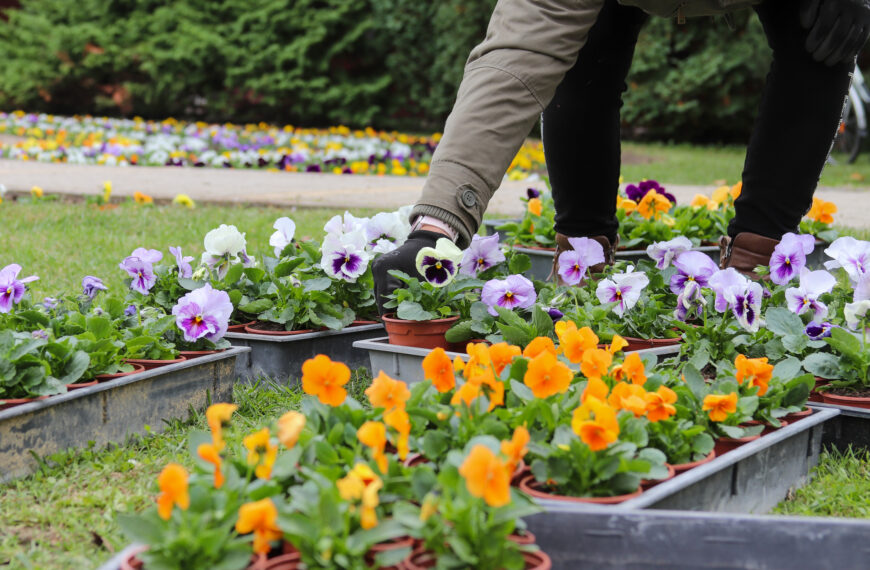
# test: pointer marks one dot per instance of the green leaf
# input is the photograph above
(514, 335)
(234, 273)
(823, 365)
(783, 322)
(695, 381)
(542, 321)
(522, 391)
(461, 331)
(520, 263)
(255, 274)
(413, 311)
(76, 367)
(141, 528)
(256, 307)
(190, 284)
(846, 344)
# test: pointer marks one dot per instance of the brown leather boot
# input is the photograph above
(745, 251)
(562, 245)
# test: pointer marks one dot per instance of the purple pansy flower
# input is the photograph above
(637, 192)
(483, 253)
(533, 193)
(92, 285)
(554, 313)
(344, 257)
(512, 292)
(818, 331)
(690, 302)
(385, 231)
(789, 256)
(721, 281)
(182, 262)
(130, 311)
(805, 297)
(665, 251)
(746, 304)
(204, 312)
(11, 288)
(574, 262)
(851, 254)
(49, 303)
(40, 334)
(692, 266)
(152, 256)
(623, 289)
(439, 265)
(142, 273)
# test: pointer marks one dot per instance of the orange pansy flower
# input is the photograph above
(374, 436)
(361, 484)
(261, 452)
(387, 393)
(398, 419)
(617, 343)
(596, 388)
(547, 376)
(503, 354)
(631, 369)
(325, 379)
(652, 205)
(261, 518)
(486, 476)
(290, 425)
(736, 190)
(659, 404)
(536, 206)
(720, 405)
(595, 363)
(439, 370)
(756, 371)
(208, 452)
(539, 345)
(599, 432)
(173, 490)
(467, 393)
(822, 211)
(218, 416)
(515, 448)
(631, 397)
(574, 342)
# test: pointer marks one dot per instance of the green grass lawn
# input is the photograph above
(705, 165)
(840, 487)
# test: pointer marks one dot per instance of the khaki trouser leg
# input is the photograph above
(509, 79)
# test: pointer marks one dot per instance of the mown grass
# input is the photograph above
(64, 515)
(706, 165)
(840, 487)
(61, 242)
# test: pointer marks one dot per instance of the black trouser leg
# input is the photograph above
(581, 126)
(799, 114)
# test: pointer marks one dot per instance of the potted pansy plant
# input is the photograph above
(201, 317)
(424, 310)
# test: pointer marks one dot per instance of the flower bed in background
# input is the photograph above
(338, 150)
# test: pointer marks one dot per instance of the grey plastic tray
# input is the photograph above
(406, 362)
(281, 357)
(850, 427)
(113, 410)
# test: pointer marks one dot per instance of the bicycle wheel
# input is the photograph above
(847, 142)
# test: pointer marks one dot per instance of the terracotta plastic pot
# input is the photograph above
(795, 416)
(421, 334)
(82, 385)
(137, 368)
(285, 561)
(151, 364)
(726, 444)
(650, 483)
(527, 537)
(532, 487)
(239, 327)
(189, 354)
(853, 401)
(395, 544)
(251, 329)
(12, 402)
(815, 395)
(362, 322)
(642, 343)
(537, 560)
(680, 467)
(767, 427)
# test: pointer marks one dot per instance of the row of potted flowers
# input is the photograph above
(441, 473)
(648, 213)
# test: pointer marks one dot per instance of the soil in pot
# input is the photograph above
(420, 334)
(151, 364)
(533, 488)
(815, 395)
(12, 402)
(137, 368)
(681, 467)
(240, 327)
(190, 354)
(847, 397)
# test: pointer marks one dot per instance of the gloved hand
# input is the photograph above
(403, 258)
(837, 28)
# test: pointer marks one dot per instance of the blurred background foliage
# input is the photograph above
(391, 64)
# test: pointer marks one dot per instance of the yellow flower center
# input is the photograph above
(508, 295)
(437, 265)
(480, 261)
(9, 290)
(618, 294)
(787, 261)
(198, 319)
(347, 258)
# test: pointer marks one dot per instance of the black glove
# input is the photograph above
(837, 28)
(403, 258)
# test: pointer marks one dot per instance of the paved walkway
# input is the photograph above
(309, 190)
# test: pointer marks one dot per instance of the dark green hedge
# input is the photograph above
(386, 63)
